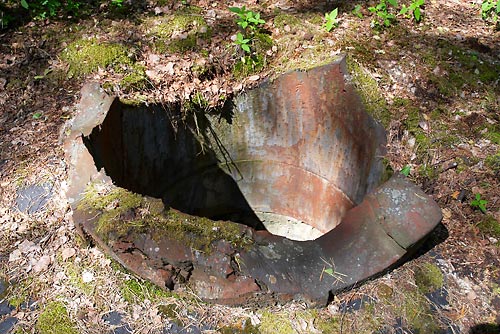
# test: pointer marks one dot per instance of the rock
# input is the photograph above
(113, 318)
(5, 308)
(7, 324)
(33, 198)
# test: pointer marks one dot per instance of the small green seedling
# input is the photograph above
(406, 170)
(37, 115)
(490, 9)
(242, 42)
(479, 203)
(357, 11)
(382, 12)
(247, 18)
(24, 4)
(117, 3)
(414, 8)
(331, 20)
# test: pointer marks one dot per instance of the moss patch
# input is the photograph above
(490, 227)
(133, 291)
(493, 162)
(86, 56)
(123, 212)
(54, 319)
(275, 323)
(428, 278)
(418, 314)
(371, 95)
(179, 32)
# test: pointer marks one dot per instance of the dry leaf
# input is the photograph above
(42, 264)
(67, 253)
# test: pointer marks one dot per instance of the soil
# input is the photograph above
(434, 85)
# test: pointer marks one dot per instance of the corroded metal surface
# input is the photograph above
(301, 147)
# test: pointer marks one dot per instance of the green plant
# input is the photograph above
(413, 8)
(242, 42)
(381, 10)
(406, 170)
(331, 20)
(251, 40)
(247, 18)
(357, 11)
(42, 9)
(490, 9)
(117, 3)
(479, 203)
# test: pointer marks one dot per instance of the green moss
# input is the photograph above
(327, 324)
(54, 319)
(428, 171)
(118, 205)
(490, 227)
(371, 95)
(248, 65)
(428, 278)
(20, 293)
(417, 312)
(179, 32)
(281, 20)
(388, 171)
(86, 56)
(493, 162)
(133, 291)
(275, 323)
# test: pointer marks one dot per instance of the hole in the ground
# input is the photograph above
(292, 163)
(297, 156)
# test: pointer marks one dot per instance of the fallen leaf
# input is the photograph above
(15, 255)
(254, 77)
(68, 253)
(42, 264)
(28, 247)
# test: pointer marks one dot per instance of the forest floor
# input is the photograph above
(434, 85)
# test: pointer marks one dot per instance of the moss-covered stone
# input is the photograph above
(54, 319)
(428, 277)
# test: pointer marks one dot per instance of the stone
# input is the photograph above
(113, 318)
(33, 198)
(7, 325)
